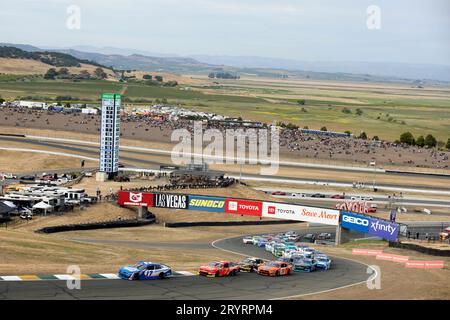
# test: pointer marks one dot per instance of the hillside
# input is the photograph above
(17, 61)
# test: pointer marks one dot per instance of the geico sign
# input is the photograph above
(354, 220)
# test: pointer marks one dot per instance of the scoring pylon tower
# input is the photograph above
(110, 136)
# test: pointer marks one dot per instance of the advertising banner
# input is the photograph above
(383, 229)
(211, 204)
(300, 213)
(355, 222)
(172, 201)
(135, 199)
(246, 207)
(372, 226)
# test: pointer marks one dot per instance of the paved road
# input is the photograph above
(244, 286)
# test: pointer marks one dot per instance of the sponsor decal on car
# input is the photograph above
(300, 213)
(247, 207)
(135, 199)
(211, 204)
(172, 201)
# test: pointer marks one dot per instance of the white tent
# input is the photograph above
(43, 206)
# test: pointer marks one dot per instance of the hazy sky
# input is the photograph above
(411, 30)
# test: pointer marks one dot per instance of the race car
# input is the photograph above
(261, 243)
(219, 269)
(323, 262)
(304, 264)
(145, 271)
(275, 269)
(250, 264)
(247, 240)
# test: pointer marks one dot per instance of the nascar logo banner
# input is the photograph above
(171, 201)
(210, 204)
(135, 199)
(300, 213)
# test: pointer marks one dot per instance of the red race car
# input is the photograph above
(219, 269)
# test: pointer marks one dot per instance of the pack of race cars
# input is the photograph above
(292, 256)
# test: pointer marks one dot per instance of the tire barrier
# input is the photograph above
(98, 225)
(224, 223)
(421, 249)
(12, 135)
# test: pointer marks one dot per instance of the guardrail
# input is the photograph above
(224, 223)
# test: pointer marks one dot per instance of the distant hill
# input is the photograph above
(56, 59)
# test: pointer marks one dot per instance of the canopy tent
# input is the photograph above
(6, 208)
(43, 206)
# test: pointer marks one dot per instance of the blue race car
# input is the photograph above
(145, 271)
(304, 264)
(323, 262)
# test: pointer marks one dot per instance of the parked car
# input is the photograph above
(317, 195)
(337, 196)
(219, 269)
(278, 193)
(250, 264)
(309, 237)
(27, 178)
(275, 269)
(9, 176)
(324, 236)
(145, 271)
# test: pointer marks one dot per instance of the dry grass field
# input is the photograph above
(15, 161)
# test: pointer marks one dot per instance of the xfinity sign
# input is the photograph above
(355, 222)
(372, 226)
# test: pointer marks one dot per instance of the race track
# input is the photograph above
(243, 286)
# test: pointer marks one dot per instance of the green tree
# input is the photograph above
(363, 136)
(420, 141)
(376, 138)
(63, 71)
(430, 141)
(147, 77)
(348, 132)
(301, 102)
(407, 137)
(50, 74)
(99, 73)
(359, 112)
(323, 129)
(448, 144)
(3, 100)
(159, 78)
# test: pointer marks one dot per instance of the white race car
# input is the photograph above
(247, 240)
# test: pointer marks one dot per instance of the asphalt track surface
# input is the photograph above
(93, 150)
(87, 150)
(243, 286)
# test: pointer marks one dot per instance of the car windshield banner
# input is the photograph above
(300, 213)
(355, 222)
(246, 207)
(211, 204)
(383, 229)
(172, 201)
(135, 199)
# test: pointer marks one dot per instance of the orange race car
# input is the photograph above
(219, 269)
(275, 268)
